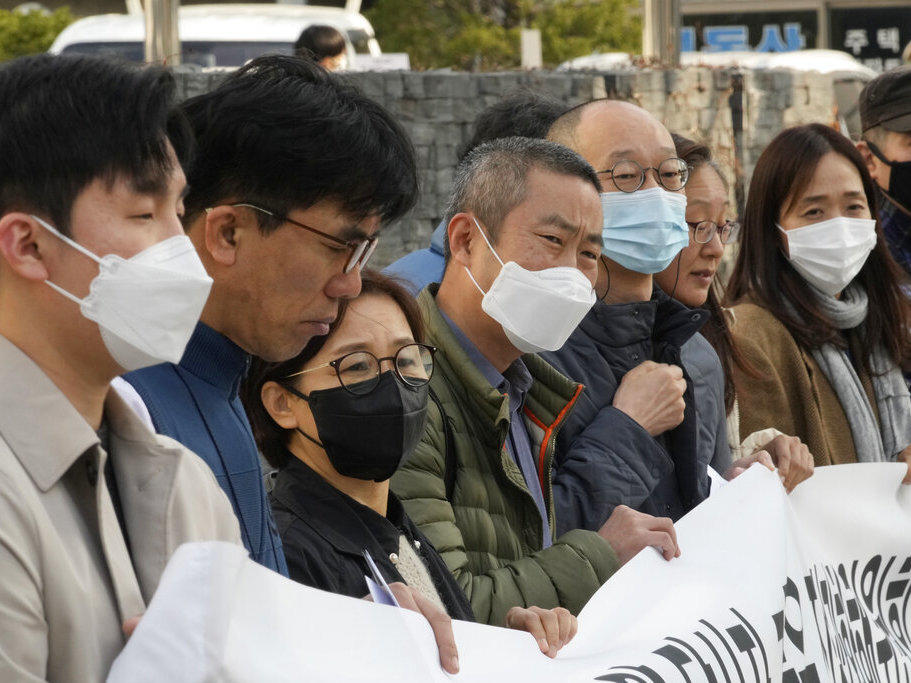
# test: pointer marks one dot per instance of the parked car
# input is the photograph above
(219, 35)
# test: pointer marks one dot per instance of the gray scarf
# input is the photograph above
(872, 442)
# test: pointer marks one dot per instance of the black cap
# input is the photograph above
(886, 101)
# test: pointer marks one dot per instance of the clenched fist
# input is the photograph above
(629, 531)
(652, 395)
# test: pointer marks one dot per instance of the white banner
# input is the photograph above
(814, 586)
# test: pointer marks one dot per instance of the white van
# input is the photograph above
(219, 35)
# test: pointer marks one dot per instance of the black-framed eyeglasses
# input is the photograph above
(704, 231)
(359, 251)
(359, 372)
(629, 175)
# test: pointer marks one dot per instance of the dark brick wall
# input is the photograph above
(438, 109)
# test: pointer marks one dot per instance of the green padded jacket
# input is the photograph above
(489, 530)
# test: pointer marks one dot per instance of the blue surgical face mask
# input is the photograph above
(644, 230)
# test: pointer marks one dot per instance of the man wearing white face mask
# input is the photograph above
(637, 441)
(96, 277)
(523, 240)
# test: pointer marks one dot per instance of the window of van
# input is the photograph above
(360, 39)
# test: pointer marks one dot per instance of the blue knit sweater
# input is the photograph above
(197, 404)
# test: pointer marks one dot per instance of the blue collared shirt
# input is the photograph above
(197, 404)
(515, 383)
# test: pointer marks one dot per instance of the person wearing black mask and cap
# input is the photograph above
(885, 115)
(337, 421)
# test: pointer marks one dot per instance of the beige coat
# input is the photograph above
(67, 581)
(791, 393)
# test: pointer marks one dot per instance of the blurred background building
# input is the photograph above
(875, 32)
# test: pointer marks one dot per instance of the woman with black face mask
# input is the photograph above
(337, 421)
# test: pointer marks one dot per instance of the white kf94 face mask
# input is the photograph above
(147, 306)
(830, 253)
(537, 309)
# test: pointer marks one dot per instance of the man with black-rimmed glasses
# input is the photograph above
(295, 173)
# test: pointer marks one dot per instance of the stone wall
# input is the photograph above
(438, 110)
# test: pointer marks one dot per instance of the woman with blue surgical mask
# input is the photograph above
(819, 319)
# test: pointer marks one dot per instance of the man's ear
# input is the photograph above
(869, 159)
(460, 233)
(277, 403)
(21, 238)
(221, 226)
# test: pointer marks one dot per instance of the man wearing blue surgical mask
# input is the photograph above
(634, 439)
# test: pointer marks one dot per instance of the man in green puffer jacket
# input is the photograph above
(479, 483)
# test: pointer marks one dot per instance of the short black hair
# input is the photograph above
(522, 113)
(67, 120)
(319, 41)
(284, 133)
(492, 179)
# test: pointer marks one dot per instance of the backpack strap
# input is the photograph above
(449, 468)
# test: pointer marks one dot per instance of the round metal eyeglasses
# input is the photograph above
(359, 372)
(628, 175)
(704, 231)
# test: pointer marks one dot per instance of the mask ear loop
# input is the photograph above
(677, 279)
(305, 398)
(78, 247)
(492, 250)
(607, 270)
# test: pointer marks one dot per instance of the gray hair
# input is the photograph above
(491, 180)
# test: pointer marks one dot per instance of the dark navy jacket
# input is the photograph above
(896, 224)
(325, 533)
(604, 458)
(197, 404)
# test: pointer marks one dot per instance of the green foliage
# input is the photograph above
(28, 33)
(484, 34)
(575, 29)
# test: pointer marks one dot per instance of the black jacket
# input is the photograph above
(325, 532)
(604, 458)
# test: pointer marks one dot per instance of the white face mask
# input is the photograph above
(538, 309)
(830, 253)
(147, 306)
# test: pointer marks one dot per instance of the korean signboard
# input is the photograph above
(876, 37)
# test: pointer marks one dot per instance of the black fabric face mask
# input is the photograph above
(899, 178)
(368, 437)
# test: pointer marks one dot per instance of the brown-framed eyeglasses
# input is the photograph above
(629, 175)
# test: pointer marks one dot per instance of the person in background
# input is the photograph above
(885, 116)
(818, 315)
(692, 281)
(521, 114)
(96, 277)
(337, 421)
(524, 234)
(323, 44)
(295, 174)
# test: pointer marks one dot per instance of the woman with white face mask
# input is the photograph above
(819, 319)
